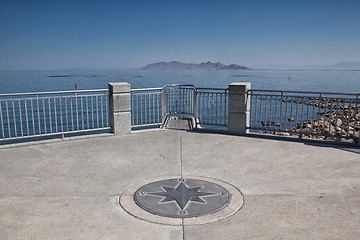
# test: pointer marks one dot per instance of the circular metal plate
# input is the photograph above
(182, 198)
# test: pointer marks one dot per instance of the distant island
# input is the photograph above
(174, 65)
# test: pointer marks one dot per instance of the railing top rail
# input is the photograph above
(304, 92)
(221, 89)
(145, 89)
(51, 93)
(179, 85)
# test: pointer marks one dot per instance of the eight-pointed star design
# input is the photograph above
(182, 194)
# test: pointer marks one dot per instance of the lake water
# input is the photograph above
(39, 81)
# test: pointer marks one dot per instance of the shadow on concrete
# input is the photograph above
(345, 146)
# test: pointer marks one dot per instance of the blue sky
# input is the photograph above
(130, 34)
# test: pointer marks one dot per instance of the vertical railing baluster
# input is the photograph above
(2, 120)
(313, 116)
(302, 115)
(342, 118)
(27, 119)
(296, 113)
(307, 114)
(199, 106)
(276, 101)
(145, 109)
(331, 115)
(72, 114)
(181, 101)
(97, 111)
(136, 108)
(106, 109)
(156, 119)
(186, 104)
(61, 118)
(44, 110)
(21, 125)
(226, 108)
(251, 102)
(291, 111)
(221, 104)
(349, 106)
(158, 105)
(87, 112)
(270, 117)
(212, 109)
(286, 110)
(8, 118)
(265, 114)
(260, 110)
(77, 111)
(92, 111)
(55, 115)
(216, 110)
(82, 112)
(66, 114)
(38, 113)
(153, 107)
(102, 110)
(141, 110)
(204, 108)
(50, 121)
(355, 114)
(318, 115)
(208, 108)
(255, 112)
(132, 108)
(324, 113)
(280, 117)
(32, 115)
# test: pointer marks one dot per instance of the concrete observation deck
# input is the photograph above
(70, 189)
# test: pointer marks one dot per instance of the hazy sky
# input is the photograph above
(105, 34)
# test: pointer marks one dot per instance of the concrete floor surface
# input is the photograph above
(70, 189)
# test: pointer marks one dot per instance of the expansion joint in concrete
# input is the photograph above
(181, 155)
(183, 229)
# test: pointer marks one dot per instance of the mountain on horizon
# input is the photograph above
(175, 65)
(340, 66)
(344, 66)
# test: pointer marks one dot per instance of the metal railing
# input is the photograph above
(146, 107)
(181, 99)
(26, 115)
(332, 116)
(150, 106)
(311, 114)
(212, 106)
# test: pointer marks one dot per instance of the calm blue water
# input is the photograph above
(327, 81)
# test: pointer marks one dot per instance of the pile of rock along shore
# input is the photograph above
(335, 122)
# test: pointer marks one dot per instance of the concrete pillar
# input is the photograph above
(119, 106)
(195, 108)
(239, 108)
(164, 104)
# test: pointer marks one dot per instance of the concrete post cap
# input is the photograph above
(119, 87)
(239, 87)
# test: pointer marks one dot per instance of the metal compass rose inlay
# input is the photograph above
(182, 197)
(181, 194)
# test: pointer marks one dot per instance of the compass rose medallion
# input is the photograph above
(182, 197)
(182, 194)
